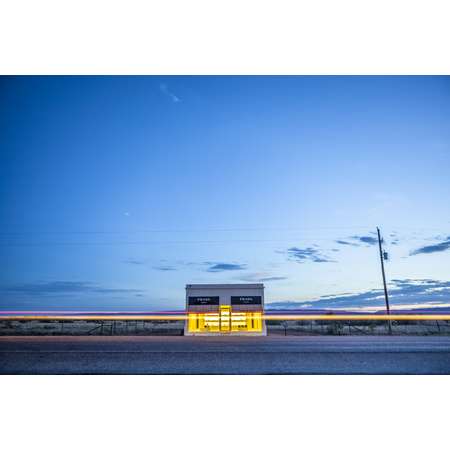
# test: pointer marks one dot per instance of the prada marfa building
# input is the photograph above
(225, 309)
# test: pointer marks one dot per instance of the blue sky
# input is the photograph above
(117, 191)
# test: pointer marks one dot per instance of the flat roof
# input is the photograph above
(226, 286)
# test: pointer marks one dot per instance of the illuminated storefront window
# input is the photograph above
(225, 321)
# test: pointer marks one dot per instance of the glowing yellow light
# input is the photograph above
(225, 321)
(236, 318)
(357, 317)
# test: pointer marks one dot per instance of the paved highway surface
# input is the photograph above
(225, 355)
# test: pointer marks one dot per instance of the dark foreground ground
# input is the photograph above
(225, 355)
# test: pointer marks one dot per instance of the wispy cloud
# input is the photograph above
(341, 242)
(164, 268)
(411, 292)
(439, 247)
(370, 240)
(224, 267)
(136, 262)
(205, 266)
(357, 241)
(260, 277)
(302, 255)
(164, 88)
(63, 287)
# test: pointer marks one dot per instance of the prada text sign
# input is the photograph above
(246, 300)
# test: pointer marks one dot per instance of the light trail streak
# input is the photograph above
(94, 317)
(268, 316)
(357, 317)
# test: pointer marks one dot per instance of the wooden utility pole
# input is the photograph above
(386, 296)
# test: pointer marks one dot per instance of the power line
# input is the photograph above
(187, 230)
(26, 244)
(225, 241)
(210, 230)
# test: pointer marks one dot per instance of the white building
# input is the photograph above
(225, 309)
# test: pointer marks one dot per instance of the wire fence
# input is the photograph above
(176, 328)
(369, 328)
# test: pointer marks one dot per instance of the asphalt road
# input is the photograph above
(225, 355)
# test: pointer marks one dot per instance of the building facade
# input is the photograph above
(225, 309)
